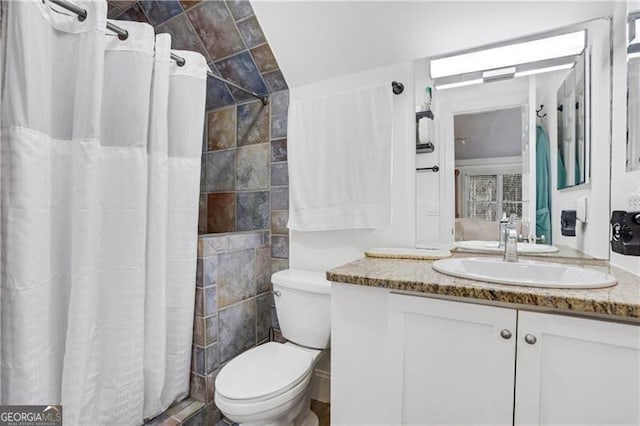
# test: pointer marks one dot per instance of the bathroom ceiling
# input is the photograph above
(488, 134)
(319, 40)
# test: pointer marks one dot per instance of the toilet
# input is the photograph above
(269, 384)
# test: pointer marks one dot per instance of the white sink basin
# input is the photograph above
(524, 273)
(494, 247)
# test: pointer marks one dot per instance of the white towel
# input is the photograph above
(339, 150)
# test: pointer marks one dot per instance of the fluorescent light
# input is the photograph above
(458, 84)
(545, 69)
(569, 44)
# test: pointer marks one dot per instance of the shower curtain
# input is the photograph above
(100, 155)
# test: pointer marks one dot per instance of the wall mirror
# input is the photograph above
(573, 144)
(511, 130)
(633, 92)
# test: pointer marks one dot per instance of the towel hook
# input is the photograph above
(539, 110)
(397, 87)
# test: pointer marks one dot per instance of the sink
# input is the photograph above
(524, 273)
(494, 247)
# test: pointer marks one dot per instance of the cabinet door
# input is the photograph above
(449, 363)
(577, 371)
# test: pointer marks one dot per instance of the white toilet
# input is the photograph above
(269, 384)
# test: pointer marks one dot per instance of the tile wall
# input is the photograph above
(233, 303)
(244, 197)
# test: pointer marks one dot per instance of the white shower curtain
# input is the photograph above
(99, 180)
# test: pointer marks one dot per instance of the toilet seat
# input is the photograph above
(267, 380)
(263, 372)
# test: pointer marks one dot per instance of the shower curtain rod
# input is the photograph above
(124, 34)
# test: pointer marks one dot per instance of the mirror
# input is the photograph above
(572, 142)
(633, 113)
(507, 143)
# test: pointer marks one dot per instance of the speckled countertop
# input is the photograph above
(621, 300)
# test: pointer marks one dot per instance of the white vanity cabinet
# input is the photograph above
(451, 363)
(576, 371)
(404, 359)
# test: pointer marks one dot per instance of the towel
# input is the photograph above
(339, 151)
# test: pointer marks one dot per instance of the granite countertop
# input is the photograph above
(621, 300)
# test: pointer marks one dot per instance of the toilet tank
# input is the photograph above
(303, 306)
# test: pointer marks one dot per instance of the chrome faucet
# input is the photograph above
(502, 237)
(511, 241)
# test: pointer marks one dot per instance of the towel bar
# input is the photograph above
(434, 169)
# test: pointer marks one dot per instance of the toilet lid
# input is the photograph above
(266, 370)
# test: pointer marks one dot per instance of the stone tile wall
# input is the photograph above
(233, 303)
(244, 199)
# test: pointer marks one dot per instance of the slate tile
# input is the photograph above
(252, 167)
(279, 126)
(280, 198)
(263, 312)
(279, 150)
(275, 81)
(236, 276)
(242, 70)
(182, 35)
(221, 128)
(240, 8)
(252, 210)
(211, 329)
(279, 219)
(263, 269)
(253, 123)
(160, 11)
(280, 246)
(251, 31)
(279, 174)
(279, 265)
(214, 25)
(133, 13)
(279, 102)
(221, 212)
(237, 329)
(220, 170)
(263, 56)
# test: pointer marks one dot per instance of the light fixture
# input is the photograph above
(517, 52)
(499, 74)
(543, 70)
(458, 84)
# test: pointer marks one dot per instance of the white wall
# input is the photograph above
(593, 236)
(622, 182)
(320, 40)
(323, 250)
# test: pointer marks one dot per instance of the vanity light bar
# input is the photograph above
(458, 84)
(511, 54)
(521, 70)
(543, 70)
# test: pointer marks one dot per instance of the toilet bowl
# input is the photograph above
(269, 384)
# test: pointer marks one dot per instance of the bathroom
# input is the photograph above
(269, 212)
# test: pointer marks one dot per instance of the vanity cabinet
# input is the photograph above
(404, 359)
(576, 371)
(451, 363)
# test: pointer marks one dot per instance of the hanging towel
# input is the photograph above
(543, 185)
(340, 150)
